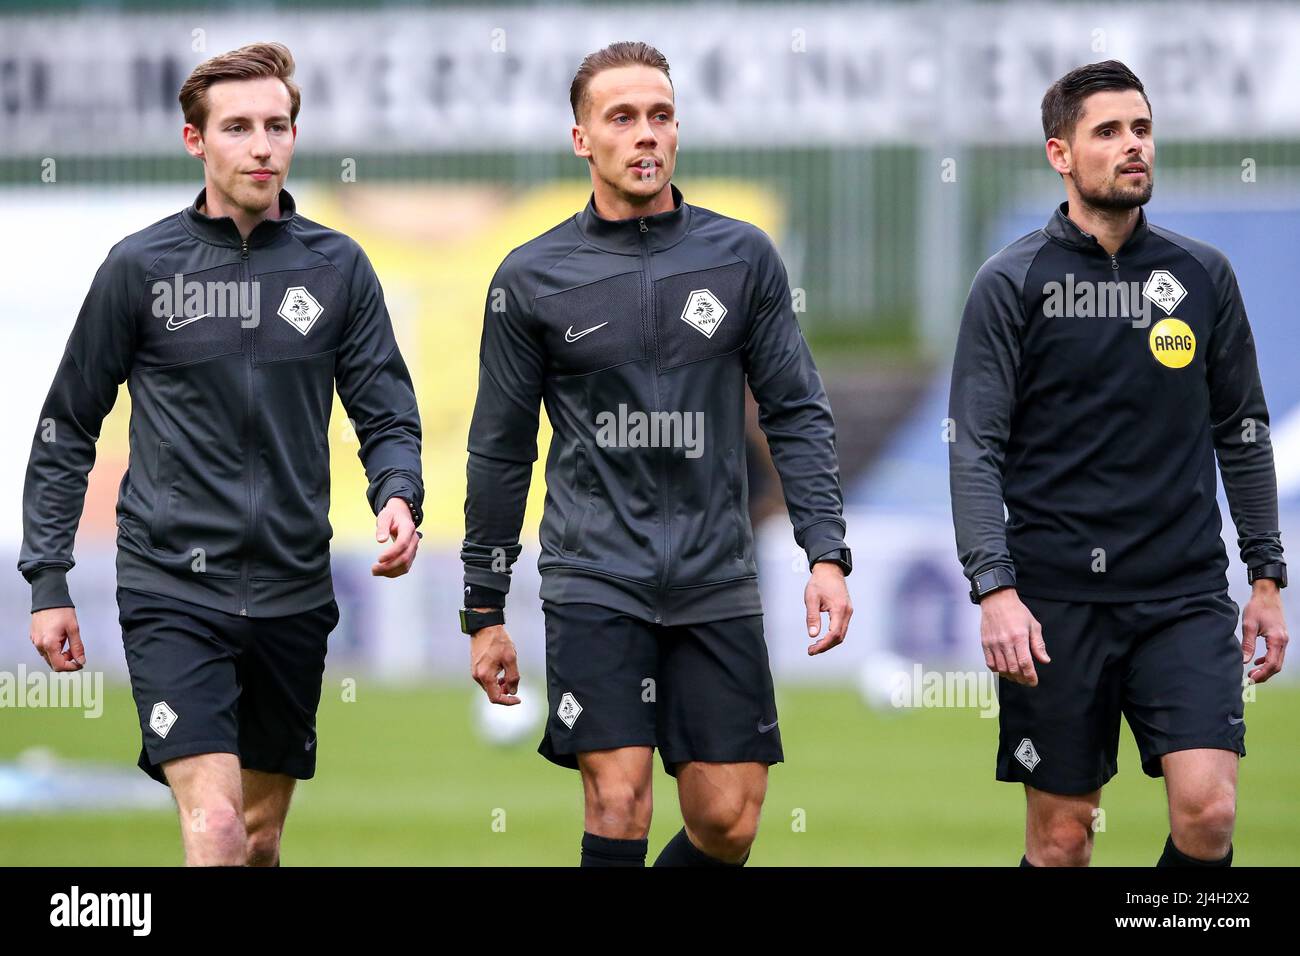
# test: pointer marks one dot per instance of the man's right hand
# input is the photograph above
(52, 628)
(494, 664)
(1010, 635)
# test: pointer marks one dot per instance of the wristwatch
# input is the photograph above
(1275, 571)
(471, 621)
(994, 579)
(841, 556)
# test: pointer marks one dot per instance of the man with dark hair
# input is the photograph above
(224, 589)
(1063, 103)
(1101, 365)
(639, 321)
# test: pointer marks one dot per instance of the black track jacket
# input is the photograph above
(639, 336)
(226, 499)
(1099, 432)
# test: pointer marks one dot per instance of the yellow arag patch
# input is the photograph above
(1172, 343)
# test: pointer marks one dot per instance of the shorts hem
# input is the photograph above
(151, 763)
(1066, 789)
(1151, 762)
(568, 755)
(669, 761)
(289, 768)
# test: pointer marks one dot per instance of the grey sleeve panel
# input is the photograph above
(1239, 415)
(794, 411)
(981, 402)
(96, 361)
(503, 432)
(375, 388)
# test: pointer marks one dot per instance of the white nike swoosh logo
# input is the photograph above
(173, 325)
(570, 337)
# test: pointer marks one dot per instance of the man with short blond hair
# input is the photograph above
(639, 321)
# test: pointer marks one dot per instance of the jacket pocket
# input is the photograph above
(581, 502)
(736, 504)
(162, 496)
(323, 492)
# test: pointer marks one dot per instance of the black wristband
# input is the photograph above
(472, 621)
(841, 556)
(994, 579)
(1275, 571)
(478, 596)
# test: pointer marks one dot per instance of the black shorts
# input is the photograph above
(696, 691)
(209, 682)
(1172, 667)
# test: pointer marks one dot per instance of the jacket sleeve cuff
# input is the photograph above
(50, 589)
(395, 486)
(822, 538)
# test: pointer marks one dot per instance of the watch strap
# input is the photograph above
(841, 556)
(1275, 571)
(994, 579)
(472, 621)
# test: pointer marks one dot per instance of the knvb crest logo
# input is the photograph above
(162, 718)
(568, 710)
(704, 311)
(1027, 755)
(1164, 290)
(300, 309)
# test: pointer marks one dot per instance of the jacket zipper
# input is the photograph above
(248, 437)
(648, 284)
(1114, 262)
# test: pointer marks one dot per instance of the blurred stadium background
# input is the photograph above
(888, 148)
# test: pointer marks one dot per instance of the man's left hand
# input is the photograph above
(827, 591)
(394, 524)
(1263, 618)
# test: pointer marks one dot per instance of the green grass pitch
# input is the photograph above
(403, 779)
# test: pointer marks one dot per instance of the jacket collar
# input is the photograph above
(625, 236)
(1064, 230)
(222, 231)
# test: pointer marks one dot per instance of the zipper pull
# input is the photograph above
(1114, 263)
(243, 249)
(644, 227)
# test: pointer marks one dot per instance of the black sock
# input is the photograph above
(1176, 857)
(1024, 861)
(607, 851)
(680, 851)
